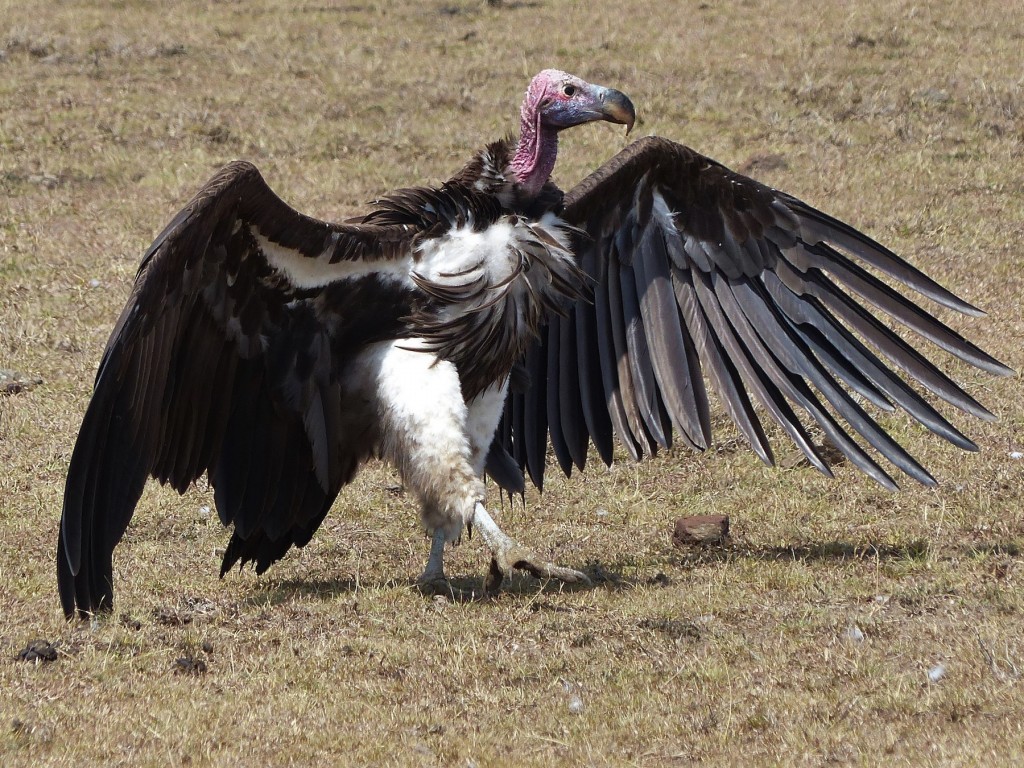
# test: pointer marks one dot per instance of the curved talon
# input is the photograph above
(506, 558)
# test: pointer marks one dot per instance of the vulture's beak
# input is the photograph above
(617, 108)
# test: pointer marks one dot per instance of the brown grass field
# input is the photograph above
(807, 640)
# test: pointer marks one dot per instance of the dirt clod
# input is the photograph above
(701, 530)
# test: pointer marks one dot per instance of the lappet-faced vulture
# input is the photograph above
(276, 352)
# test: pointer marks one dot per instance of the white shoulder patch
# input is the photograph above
(318, 271)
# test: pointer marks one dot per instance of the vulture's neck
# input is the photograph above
(535, 154)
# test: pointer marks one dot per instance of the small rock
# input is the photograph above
(701, 530)
(854, 634)
(38, 651)
(1017, 455)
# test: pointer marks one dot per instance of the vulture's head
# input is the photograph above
(556, 100)
(559, 100)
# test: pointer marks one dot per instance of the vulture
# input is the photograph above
(456, 331)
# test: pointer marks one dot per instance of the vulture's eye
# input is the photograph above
(569, 90)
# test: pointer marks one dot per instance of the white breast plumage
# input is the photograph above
(491, 290)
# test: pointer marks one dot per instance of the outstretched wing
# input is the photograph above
(699, 271)
(228, 359)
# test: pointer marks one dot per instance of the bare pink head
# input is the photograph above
(554, 101)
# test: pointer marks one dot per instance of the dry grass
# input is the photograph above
(906, 119)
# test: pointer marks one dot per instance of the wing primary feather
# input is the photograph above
(725, 378)
(767, 347)
(75, 540)
(669, 343)
(638, 359)
(819, 226)
(501, 466)
(515, 413)
(898, 306)
(188, 403)
(831, 343)
(754, 372)
(609, 362)
(220, 412)
(789, 349)
(850, 352)
(294, 465)
(232, 470)
(895, 349)
(840, 366)
(258, 465)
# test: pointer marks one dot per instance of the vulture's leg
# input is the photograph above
(506, 554)
(423, 421)
(484, 414)
(433, 579)
(438, 444)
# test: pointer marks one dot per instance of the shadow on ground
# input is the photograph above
(609, 575)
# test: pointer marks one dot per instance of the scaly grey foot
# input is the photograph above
(433, 581)
(507, 556)
(433, 585)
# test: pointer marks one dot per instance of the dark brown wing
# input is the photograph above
(228, 359)
(701, 271)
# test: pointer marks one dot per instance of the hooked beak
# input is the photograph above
(617, 108)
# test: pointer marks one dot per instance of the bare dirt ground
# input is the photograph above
(841, 624)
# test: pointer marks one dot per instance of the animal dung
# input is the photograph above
(38, 651)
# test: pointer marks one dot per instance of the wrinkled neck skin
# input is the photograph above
(535, 155)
